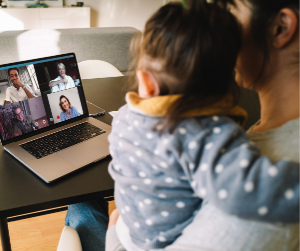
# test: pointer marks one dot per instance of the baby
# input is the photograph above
(179, 141)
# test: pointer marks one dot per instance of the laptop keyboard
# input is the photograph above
(60, 140)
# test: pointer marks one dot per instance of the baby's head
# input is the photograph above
(189, 48)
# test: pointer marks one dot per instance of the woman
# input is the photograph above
(63, 81)
(268, 63)
(68, 111)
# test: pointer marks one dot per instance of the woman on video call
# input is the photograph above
(68, 111)
(63, 81)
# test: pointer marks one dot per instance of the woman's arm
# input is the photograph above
(54, 83)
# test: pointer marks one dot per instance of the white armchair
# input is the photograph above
(97, 69)
(69, 240)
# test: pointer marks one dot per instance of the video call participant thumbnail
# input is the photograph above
(19, 91)
(23, 122)
(68, 111)
(63, 81)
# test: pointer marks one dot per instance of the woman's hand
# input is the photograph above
(113, 218)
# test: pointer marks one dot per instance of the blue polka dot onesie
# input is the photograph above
(162, 179)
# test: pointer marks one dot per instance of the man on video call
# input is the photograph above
(19, 91)
(23, 122)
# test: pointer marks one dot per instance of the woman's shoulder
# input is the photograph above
(57, 78)
(68, 77)
(281, 142)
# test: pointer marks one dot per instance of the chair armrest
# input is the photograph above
(69, 240)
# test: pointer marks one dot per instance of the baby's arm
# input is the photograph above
(228, 171)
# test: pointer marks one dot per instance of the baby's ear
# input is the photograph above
(148, 86)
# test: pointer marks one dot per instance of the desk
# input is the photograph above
(21, 191)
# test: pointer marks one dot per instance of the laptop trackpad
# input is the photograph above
(85, 152)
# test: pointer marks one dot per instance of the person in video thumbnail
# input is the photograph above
(68, 111)
(63, 81)
(23, 122)
(19, 91)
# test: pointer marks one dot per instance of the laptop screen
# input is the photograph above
(38, 94)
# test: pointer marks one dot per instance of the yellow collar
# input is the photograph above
(159, 105)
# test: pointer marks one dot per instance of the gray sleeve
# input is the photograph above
(112, 242)
(228, 171)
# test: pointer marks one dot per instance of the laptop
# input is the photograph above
(51, 133)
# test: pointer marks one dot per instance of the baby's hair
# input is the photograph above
(191, 49)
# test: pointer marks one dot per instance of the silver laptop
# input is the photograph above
(51, 133)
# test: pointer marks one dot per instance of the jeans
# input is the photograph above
(90, 219)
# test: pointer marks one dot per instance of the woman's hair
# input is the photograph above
(60, 103)
(263, 13)
(191, 49)
(60, 64)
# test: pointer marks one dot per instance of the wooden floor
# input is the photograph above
(39, 233)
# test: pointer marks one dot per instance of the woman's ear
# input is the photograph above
(285, 28)
(148, 86)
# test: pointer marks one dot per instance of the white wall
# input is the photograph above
(71, 94)
(3, 93)
(109, 13)
(37, 108)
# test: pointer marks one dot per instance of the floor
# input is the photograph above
(39, 233)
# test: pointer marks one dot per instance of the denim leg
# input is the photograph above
(90, 219)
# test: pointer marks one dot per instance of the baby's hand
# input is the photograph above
(113, 218)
